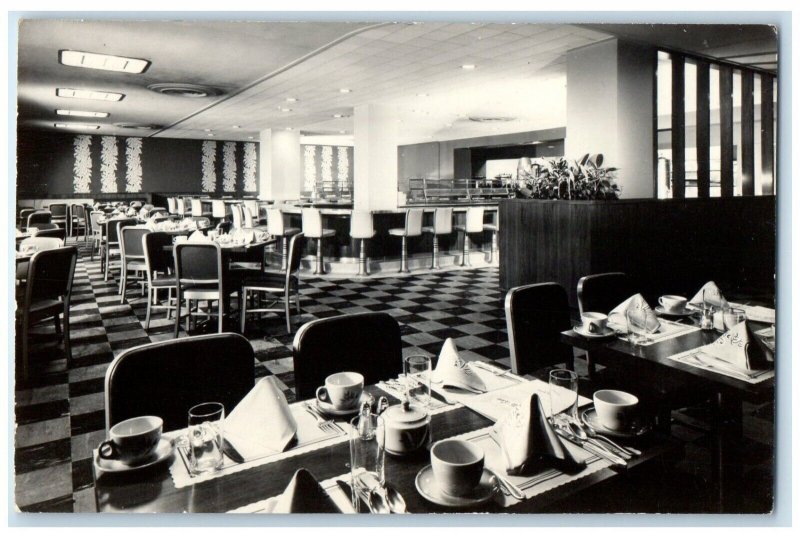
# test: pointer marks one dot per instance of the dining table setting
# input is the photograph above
(463, 436)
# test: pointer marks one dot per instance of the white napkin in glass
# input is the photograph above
(741, 348)
(638, 310)
(262, 423)
(452, 371)
(709, 294)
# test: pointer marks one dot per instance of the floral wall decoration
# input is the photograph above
(327, 164)
(343, 166)
(133, 162)
(209, 181)
(82, 167)
(229, 167)
(108, 164)
(310, 167)
(249, 167)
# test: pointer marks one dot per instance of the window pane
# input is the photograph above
(713, 85)
(664, 125)
(690, 105)
(737, 132)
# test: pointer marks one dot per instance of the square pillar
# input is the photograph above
(375, 167)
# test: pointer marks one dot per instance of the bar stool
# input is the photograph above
(277, 228)
(197, 208)
(361, 227)
(413, 228)
(442, 225)
(493, 227)
(473, 225)
(180, 207)
(312, 228)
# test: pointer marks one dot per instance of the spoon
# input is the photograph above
(396, 502)
(376, 502)
(578, 432)
(592, 433)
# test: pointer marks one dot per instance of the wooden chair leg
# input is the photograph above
(150, 298)
(287, 303)
(177, 311)
(67, 346)
(123, 282)
(243, 314)
(57, 324)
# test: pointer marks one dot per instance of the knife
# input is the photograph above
(232, 453)
(616, 460)
(362, 504)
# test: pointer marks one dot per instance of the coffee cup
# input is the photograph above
(457, 466)
(342, 390)
(594, 322)
(672, 303)
(132, 441)
(615, 409)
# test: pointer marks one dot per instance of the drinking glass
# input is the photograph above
(732, 317)
(206, 437)
(366, 455)
(564, 393)
(417, 370)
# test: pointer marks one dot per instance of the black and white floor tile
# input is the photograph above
(60, 415)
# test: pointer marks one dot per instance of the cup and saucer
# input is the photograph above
(341, 394)
(133, 445)
(594, 325)
(615, 414)
(673, 306)
(456, 477)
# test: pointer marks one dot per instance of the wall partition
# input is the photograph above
(715, 128)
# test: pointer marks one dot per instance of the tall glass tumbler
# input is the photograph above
(366, 455)
(206, 437)
(417, 370)
(564, 393)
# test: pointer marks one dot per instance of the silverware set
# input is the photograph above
(499, 372)
(323, 423)
(604, 448)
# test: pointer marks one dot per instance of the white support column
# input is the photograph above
(375, 168)
(281, 170)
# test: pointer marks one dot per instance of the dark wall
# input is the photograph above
(45, 165)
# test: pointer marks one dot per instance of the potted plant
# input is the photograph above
(562, 179)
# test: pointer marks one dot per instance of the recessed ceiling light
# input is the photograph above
(91, 60)
(210, 134)
(468, 67)
(138, 126)
(95, 95)
(207, 130)
(250, 137)
(236, 126)
(289, 129)
(81, 113)
(422, 95)
(345, 90)
(284, 109)
(182, 89)
(291, 99)
(337, 116)
(76, 126)
(342, 132)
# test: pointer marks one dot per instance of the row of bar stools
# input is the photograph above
(413, 228)
(312, 228)
(442, 225)
(277, 228)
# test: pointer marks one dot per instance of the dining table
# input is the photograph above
(727, 391)
(168, 488)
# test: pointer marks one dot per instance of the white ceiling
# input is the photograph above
(415, 67)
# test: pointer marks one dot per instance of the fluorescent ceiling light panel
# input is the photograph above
(81, 113)
(91, 60)
(95, 95)
(76, 126)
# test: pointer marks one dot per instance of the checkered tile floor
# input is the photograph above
(60, 415)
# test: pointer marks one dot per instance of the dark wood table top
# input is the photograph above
(154, 491)
(659, 353)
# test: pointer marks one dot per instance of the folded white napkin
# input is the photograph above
(199, 237)
(262, 423)
(638, 310)
(452, 371)
(529, 443)
(151, 225)
(709, 294)
(304, 495)
(742, 349)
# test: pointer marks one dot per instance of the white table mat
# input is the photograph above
(493, 405)
(668, 329)
(331, 488)
(700, 359)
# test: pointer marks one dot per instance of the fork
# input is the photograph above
(323, 424)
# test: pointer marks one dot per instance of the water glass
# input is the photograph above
(206, 437)
(367, 439)
(417, 370)
(564, 393)
(732, 317)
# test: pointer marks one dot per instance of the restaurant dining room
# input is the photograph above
(395, 269)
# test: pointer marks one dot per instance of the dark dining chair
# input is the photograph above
(47, 295)
(38, 217)
(536, 314)
(166, 379)
(60, 214)
(23, 217)
(283, 284)
(200, 276)
(603, 292)
(52, 230)
(366, 343)
(160, 271)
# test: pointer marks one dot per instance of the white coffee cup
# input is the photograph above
(615, 409)
(457, 466)
(594, 322)
(133, 440)
(672, 303)
(342, 390)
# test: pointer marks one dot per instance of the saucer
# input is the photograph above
(163, 451)
(636, 429)
(605, 334)
(329, 409)
(682, 313)
(427, 487)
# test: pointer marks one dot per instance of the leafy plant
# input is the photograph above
(562, 179)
